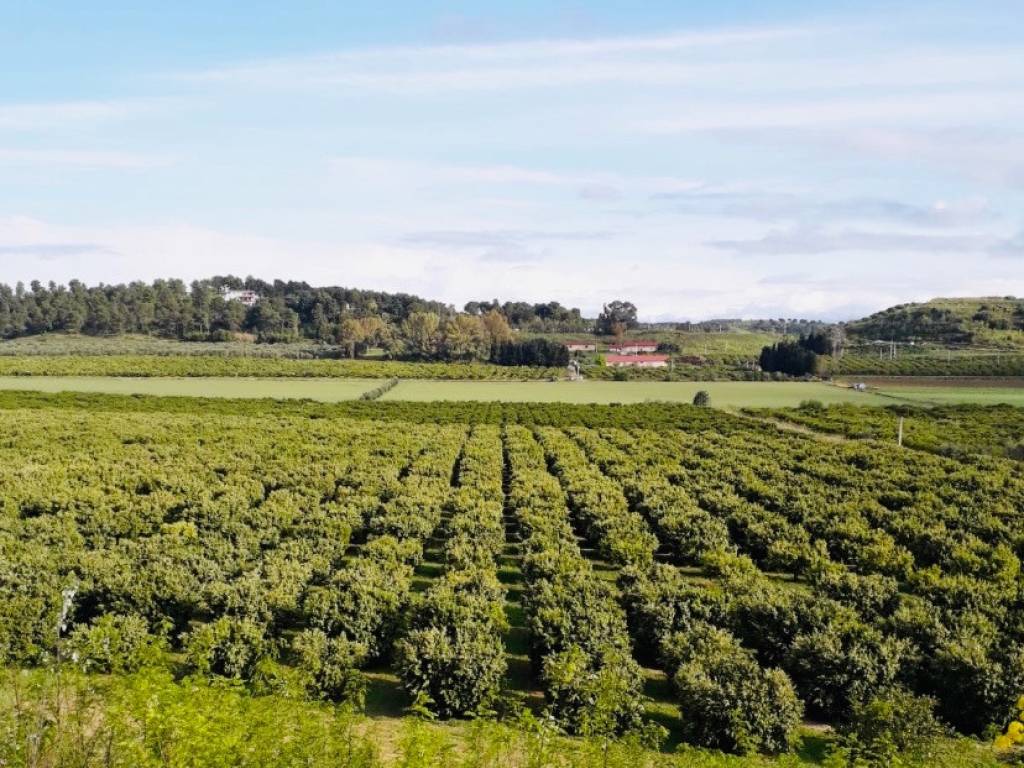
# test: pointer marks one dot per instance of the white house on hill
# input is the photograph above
(249, 298)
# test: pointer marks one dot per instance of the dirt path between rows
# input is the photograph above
(800, 429)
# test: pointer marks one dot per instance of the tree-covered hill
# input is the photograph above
(995, 321)
(212, 309)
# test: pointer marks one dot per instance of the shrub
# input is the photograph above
(115, 643)
(702, 398)
(574, 608)
(459, 668)
(363, 603)
(892, 722)
(229, 647)
(598, 693)
(452, 654)
(659, 601)
(693, 533)
(843, 663)
(768, 618)
(976, 685)
(728, 701)
(330, 665)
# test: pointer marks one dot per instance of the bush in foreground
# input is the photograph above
(728, 701)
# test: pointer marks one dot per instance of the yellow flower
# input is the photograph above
(1003, 742)
(1020, 703)
(1016, 728)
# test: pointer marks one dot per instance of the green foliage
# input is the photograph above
(791, 358)
(949, 430)
(976, 680)
(285, 549)
(894, 724)
(459, 668)
(115, 644)
(702, 399)
(616, 317)
(593, 692)
(944, 320)
(841, 664)
(728, 701)
(227, 646)
(212, 365)
(937, 364)
(452, 652)
(331, 666)
(376, 392)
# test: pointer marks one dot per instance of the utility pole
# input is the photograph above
(899, 435)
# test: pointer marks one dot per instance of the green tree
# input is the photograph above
(421, 332)
(616, 313)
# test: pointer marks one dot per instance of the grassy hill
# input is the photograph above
(985, 321)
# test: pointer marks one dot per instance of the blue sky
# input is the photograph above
(735, 158)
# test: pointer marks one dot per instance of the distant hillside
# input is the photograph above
(995, 320)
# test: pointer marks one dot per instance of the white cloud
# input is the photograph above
(82, 159)
(490, 66)
(62, 114)
(813, 241)
(395, 172)
(823, 111)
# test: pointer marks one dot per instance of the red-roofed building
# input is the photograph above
(633, 347)
(636, 361)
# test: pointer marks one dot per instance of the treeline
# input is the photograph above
(547, 317)
(796, 358)
(402, 325)
(148, 366)
(172, 309)
(535, 352)
(781, 325)
(290, 309)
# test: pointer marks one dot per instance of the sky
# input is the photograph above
(737, 158)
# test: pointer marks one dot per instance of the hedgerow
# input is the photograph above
(219, 365)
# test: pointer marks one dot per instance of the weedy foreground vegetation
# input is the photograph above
(538, 585)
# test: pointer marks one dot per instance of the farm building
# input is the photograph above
(636, 361)
(581, 346)
(633, 347)
(249, 298)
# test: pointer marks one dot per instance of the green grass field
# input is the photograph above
(957, 395)
(724, 394)
(947, 390)
(324, 390)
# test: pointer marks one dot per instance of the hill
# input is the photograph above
(984, 321)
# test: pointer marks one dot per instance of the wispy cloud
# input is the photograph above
(809, 241)
(53, 251)
(763, 204)
(495, 238)
(81, 159)
(1012, 247)
(588, 185)
(500, 65)
(58, 114)
(819, 111)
